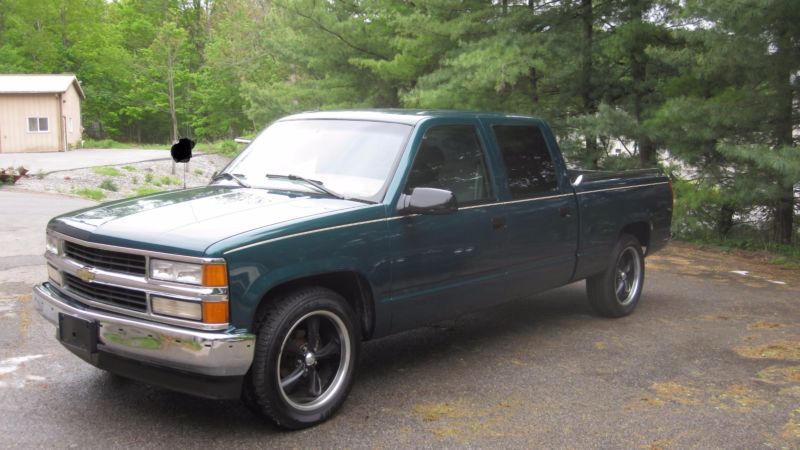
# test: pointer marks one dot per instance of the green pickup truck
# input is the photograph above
(332, 228)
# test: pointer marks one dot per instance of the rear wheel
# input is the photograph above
(616, 291)
(305, 357)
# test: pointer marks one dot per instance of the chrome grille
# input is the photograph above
(106, 259)
(111, 295)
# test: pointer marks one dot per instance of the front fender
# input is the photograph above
(254, 271)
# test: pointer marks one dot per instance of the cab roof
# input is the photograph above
(404, 116)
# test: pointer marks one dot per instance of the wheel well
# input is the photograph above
(353, 286)
(640, 230)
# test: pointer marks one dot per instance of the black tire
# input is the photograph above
(301, 377)
(616, 291)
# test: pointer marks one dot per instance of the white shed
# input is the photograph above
(40, 113)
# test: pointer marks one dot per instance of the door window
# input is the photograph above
(450, 157)
(528, 163)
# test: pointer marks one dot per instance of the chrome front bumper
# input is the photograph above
(206, 353)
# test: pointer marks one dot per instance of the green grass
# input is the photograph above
(146, 190)
(91, 194)
(107, 171)
(129, 168)
(110, 143)
(167, 181)
(198, 172)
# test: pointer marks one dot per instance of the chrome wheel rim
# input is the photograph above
(314, 360)
(627, 276)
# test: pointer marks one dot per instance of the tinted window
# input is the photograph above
(450, 157)
(528, 163)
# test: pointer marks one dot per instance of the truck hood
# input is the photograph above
(188, 221)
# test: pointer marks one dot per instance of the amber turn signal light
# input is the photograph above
(215, 275)
(215, 312)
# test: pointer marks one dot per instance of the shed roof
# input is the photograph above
(38, 84)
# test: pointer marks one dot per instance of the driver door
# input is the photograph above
(445, 265)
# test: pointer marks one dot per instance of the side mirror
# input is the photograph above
(424, 200)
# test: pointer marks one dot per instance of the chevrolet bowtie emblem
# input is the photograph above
(85, 274)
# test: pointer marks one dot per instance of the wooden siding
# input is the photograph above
(72, 110)
(15, 109)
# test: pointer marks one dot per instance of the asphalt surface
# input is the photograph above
(78, 159)
(710, 359)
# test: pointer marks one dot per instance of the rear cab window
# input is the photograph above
(529, 165)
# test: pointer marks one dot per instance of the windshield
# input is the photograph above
(349, 157)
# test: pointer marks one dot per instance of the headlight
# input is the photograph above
(52, 244)
(176, 271)
(212, 275)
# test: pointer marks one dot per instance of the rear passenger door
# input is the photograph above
(541, 212)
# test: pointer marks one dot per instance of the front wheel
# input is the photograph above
(616, 291)
(306, 351)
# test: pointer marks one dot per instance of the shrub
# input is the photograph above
(198, 172)
(108, 184)
(148, 178)
(168, 181)
(129, 168)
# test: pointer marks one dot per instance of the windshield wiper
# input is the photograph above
(232, 176)
(313, 183)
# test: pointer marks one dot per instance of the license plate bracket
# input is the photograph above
(77, 333)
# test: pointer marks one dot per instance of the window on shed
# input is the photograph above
(528, 163)
(38, 125)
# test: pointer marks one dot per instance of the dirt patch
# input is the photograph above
(791, 431)
(432, 412)
(763, 325)
(737, 397)
(678, 393)
(793, 391)
(643, 402)
(463, 421)
(779, 375)
(783, 350)
(661, 444)
(721, 317)
(752, 269)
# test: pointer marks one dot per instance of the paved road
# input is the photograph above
(709, 360)
(78, 159)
